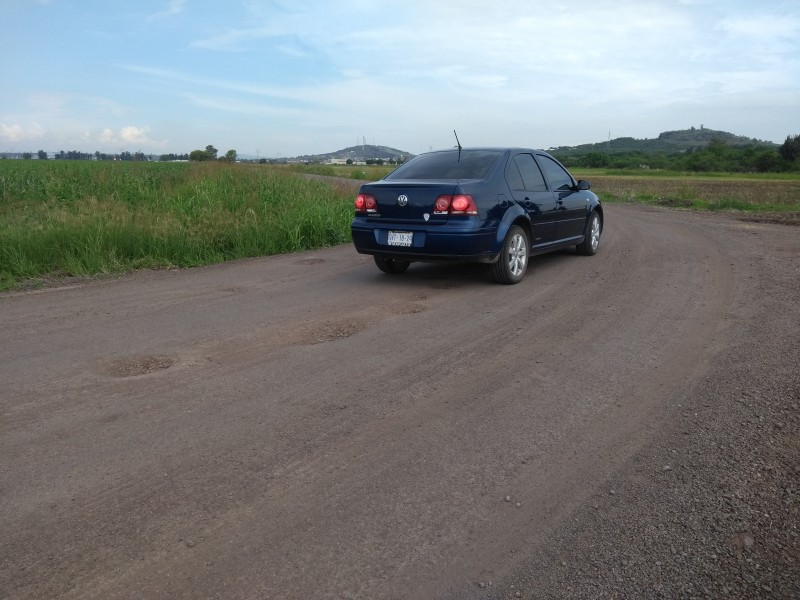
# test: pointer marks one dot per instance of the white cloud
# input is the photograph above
(175, 7)
(108, 136)
(281, 93)
(18, 133)
(134, 135)
(236, 105)
(127, 136)
(12, 133)
(762, 26)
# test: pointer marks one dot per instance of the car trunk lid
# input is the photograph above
(409, 202)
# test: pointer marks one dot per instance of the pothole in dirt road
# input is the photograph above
(132, 366)
(410, 308)
(310, 261)
(329, 331)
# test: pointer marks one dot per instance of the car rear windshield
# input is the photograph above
(471, 164)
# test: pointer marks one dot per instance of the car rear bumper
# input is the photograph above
(440, 243)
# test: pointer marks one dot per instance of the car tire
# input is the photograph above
(513, 260)
(391, 265)
(591, 241)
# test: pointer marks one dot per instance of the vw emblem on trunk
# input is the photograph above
(402, 199)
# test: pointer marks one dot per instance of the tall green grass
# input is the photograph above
(84, 218)
(358, 172)
(756, 193)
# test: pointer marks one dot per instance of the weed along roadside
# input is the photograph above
(84, 218)
(74, 218)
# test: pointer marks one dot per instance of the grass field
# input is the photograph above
(85, 218)
(762, 193)
(63, 218)
(357, 172)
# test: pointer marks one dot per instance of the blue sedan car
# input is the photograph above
(494, 205)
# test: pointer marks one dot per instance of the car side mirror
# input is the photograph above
(583, 184)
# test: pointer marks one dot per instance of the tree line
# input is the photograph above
(210, 153)
(125, 155)
(716, 156)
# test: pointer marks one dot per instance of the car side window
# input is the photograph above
(513, 178)
(530, 173)
(559, 179)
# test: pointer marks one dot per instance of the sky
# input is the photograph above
(277, 79)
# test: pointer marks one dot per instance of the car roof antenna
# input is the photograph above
(459, 145)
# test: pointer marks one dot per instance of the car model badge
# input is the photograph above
(426, 216)
(402, 199)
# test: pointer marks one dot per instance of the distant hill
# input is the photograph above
(359, 153)
(668, 142)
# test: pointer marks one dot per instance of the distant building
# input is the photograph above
(343, 161)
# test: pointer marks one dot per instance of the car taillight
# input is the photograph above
(463, 204)
(366, 203)
(459, 204)
(442, 204)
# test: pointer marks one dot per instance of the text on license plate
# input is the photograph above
(400, 238)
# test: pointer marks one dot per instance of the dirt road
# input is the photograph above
(303, 426)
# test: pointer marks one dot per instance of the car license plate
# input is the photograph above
(400, 238)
